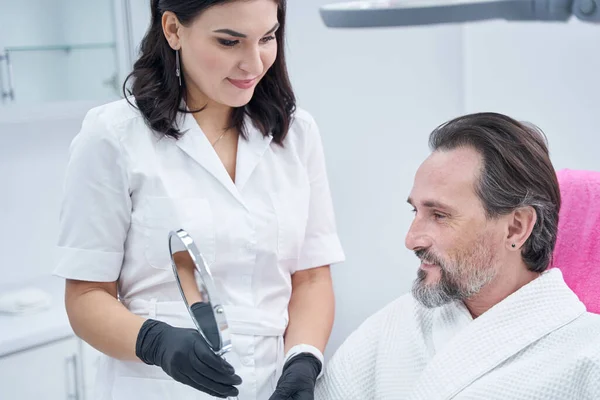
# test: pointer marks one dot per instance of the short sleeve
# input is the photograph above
(96, 206)
(321, 243)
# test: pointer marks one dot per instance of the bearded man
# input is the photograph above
(486, 317)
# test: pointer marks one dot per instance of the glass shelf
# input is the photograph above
(58, 73)
(66, 51)
(65, 47)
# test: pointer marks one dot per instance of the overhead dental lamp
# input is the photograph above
(390, 13)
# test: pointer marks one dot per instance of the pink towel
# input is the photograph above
(577, 252)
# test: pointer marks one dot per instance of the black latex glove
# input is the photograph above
(298, 379)
(185, 356)
(206, 319)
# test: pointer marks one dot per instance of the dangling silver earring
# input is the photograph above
(177, 66)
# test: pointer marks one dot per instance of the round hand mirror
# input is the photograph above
(198, 291)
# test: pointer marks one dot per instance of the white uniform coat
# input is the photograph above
(126, 189)
(539, 343)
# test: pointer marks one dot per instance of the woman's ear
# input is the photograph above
(520, 226)
(171, 25)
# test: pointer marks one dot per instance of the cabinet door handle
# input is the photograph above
(10, 93)
(72, 375)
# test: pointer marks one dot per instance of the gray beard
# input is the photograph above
(451, 287)
(435, 295)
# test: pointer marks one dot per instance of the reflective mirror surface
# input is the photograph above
(198, 291)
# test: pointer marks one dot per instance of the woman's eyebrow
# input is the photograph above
(241, 35)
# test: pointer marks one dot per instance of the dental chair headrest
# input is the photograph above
(577, 252)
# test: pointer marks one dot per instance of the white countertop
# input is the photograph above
(15, 113)
(21, 332)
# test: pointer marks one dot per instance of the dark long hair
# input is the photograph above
(158, 95)
(517, 172)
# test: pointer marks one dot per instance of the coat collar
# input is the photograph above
(249, 153)
(535, 310)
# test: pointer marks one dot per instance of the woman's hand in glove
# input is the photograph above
(184, 355)
(206, 319)
(298, 379)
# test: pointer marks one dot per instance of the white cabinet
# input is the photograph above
(65, 369)
(64, 50)
(89, 362)
(48, 372)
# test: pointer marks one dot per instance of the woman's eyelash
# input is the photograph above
(228, 43)
(231, 43)
(268, 38)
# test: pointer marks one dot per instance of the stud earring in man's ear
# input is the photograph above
(513, 245)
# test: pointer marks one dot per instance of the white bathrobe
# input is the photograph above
(539, 343)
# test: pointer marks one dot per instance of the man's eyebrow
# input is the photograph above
(433, 204)
(233, 33)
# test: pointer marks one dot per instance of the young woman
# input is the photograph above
(209, 140)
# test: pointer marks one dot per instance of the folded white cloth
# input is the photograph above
(24, 301)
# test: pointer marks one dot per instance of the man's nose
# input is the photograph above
(416, 237)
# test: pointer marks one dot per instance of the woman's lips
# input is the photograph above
(242, 83)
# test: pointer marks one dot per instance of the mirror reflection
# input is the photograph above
(194, 281)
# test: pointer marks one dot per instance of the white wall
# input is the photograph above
(546, 73)
(376, 94)
(33, 157)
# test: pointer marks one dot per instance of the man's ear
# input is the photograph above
(520, 226)
(170, 26)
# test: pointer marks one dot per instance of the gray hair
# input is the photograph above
(516, 172)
